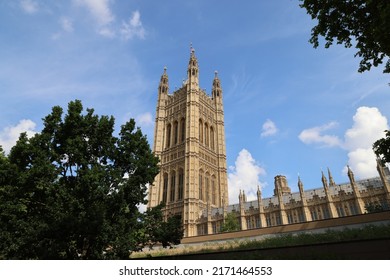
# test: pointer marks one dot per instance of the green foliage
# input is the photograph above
(368, 232)
(155, 230)
(230, 223)
(72, 191)
(365, 23)
(382, 147)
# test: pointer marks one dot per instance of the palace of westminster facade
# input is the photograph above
(189, 139)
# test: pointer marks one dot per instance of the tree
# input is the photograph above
(230, 223)
(155, 230)
(72, 190)
(382, 147)
(365, 23)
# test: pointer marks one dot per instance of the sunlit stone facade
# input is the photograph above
(190, 142)
(189, 139)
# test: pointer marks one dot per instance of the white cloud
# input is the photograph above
(133, 28)
(66, 24)
(269, 128)
(29, 6)
(10, 135)
(145, 119)
(107, 32)
(99, 9)
(314, 136)
(244, 176)
(369, 125)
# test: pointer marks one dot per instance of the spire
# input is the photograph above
(350, 175)
(331, 181)
(300, 184)
(324, 180)
(258, 192)
(193, 69)
(164, 86)
(217, 90)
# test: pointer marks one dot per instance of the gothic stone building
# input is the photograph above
(189, 139)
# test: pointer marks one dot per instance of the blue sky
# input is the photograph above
(289, 109)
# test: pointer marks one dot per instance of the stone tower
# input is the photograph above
(189, 139)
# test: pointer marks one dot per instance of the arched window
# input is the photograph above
(200, 131)
(173, 187)
(183, 129)
(207, 187)
(200, 185)
(175, 132)
(165, 188)
(206, 134)
(168, 140)
(212, 138)
(213, 191)
(181, 184)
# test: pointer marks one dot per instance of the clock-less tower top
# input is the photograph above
(189, 139)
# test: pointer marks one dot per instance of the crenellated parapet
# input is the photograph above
(330, 201)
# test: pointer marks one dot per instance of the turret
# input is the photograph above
(331, 181)
(261, 209)
(356, 192)
(163, 87)
(217, 90)
(305, 209)
(351, 176)
(324, 181)
(300, 186)
(382, 173)
(329, 199)
(281, 185)
(193, 71)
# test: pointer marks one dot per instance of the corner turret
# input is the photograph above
(193, 71)
(163, 87)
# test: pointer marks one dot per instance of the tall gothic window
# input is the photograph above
(181, 184)
(165, 188)
(173, 186)
(206, 134)
(213, 191)
(169, 128)
(175, 132)
(207, 186)
(201, 185)
(212, 138)
(200, 131)
(183, 129)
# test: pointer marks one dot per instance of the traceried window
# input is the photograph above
(206, 134)
(212, 145)
(213, 191)
(165, 188)
(173, 186)
(201, 185)
(200, 131)
(175, 133)
(183, 129)
(181, 184)
(168, 140)
(207, 187)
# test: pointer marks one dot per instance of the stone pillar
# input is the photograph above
(305, 208)
(329, 199)
(241, 199)
(261, 208)
(358, 199)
